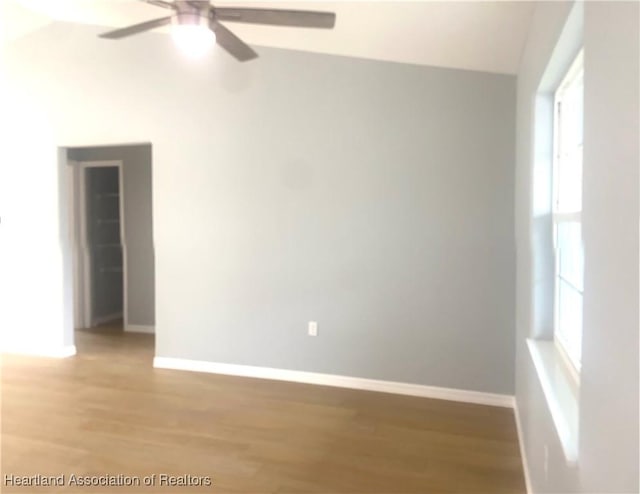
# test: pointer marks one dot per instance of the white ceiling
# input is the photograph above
(473, 35)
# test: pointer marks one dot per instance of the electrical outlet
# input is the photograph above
(313, 328)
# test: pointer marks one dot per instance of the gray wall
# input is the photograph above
(608, 449)
(375, 198)
(138, 223)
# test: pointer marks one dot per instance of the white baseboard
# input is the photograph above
(49, 352)
(333, 380)
(140, 328)
(108, 318)
(523, 452)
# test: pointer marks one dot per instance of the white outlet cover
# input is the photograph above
(313, 328)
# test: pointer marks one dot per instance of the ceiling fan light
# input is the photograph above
(194, 40)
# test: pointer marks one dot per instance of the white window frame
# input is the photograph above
(575, 71)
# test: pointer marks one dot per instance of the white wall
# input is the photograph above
(612, 104)
(33, 265)
(608, 437)
(375, 198)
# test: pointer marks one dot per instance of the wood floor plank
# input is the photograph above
(106, 411)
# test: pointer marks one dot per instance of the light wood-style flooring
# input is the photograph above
(107, 411)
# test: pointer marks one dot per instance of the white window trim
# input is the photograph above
(576, 67)
(561, 394)
(570, 367)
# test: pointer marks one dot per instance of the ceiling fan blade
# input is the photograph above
(136, 28)
(161, 3)
(295, 18)
(230, 42)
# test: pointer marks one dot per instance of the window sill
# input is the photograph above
(560, 393)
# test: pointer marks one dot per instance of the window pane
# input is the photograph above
(569, 176)
(571, 254)
(569, 160)
(572, 114)
(569, 330)
(567, 207)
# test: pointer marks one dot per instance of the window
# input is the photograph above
(567, 215)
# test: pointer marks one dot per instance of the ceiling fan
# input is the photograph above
(197, 23)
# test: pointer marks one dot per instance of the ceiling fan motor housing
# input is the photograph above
(191, 13)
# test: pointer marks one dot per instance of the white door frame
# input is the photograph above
(81, 253)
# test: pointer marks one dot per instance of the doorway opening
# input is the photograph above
(112, 254)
